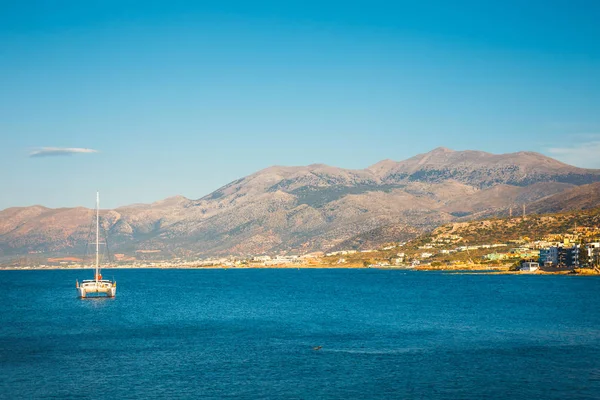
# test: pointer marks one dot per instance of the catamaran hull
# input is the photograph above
(100, 290)
(85, 294)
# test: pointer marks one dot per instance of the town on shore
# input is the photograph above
(577, 251)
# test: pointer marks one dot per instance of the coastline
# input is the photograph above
(460, 269)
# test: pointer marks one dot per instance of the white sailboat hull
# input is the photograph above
(97, 288)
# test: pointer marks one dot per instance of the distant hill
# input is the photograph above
(481, 236)
(578, 198)
(315, 207)
(379, 236)
(537, 225)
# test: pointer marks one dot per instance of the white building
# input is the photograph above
(261, 258)
(530, 266)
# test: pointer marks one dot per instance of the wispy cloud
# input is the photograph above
(581, 152)
(59, 151)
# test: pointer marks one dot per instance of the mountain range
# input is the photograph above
(316, 207)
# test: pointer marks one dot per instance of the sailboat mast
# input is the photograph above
(97, 233)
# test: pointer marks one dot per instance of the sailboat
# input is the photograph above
(97, 286)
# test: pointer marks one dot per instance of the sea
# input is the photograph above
(300, 334)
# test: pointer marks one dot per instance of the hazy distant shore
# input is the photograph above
(464, 269)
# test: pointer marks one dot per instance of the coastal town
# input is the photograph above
(577, 250)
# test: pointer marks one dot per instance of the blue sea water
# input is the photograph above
(251, 334)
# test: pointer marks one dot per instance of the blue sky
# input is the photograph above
(182, 97)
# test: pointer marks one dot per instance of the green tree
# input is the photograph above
(516, 265)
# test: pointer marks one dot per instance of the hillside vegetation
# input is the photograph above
(469, 242)
(502, 230)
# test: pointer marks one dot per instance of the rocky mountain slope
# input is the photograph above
(502, 230)
(583, 197)
(302, 209)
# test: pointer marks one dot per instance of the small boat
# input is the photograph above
(97, 287)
